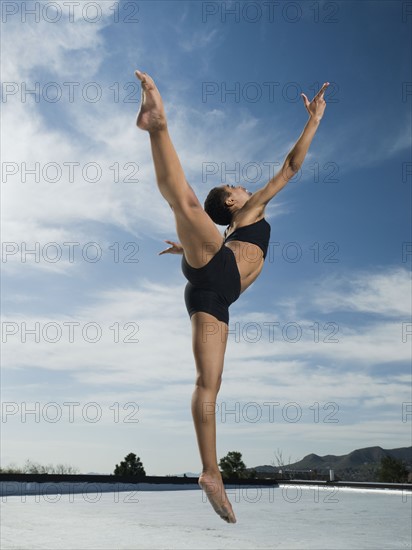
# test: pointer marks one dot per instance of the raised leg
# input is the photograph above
(209, 345)
(197, 233)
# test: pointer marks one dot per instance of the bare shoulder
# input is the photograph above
(247, 215)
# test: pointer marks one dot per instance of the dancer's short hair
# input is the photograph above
(215, 206)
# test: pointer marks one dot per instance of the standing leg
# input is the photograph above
(198, 234)
(209, 345)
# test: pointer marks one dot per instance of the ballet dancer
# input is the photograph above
(218, 268)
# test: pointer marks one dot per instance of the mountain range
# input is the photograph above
(359, 458)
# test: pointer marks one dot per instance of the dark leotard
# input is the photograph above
(215, 286)
(255, 233)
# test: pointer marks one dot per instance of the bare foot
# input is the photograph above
(151, 116)
(212, 485)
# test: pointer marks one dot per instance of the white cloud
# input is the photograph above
(350, 148)
(158, 373)
(199, 40)
(388, 292)
(164, 338)
(36, 43)
(124, 353)
(101, 133)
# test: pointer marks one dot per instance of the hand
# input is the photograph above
(316, 107)
(176, 248)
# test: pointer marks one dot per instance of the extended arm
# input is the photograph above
(294, 159)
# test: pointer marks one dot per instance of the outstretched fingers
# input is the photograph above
(305, 100)
(176, 248)
(317, 106)
(319, 95)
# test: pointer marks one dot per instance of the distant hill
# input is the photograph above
(360, 464)
(355, 459)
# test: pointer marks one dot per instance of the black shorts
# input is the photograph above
(213, 287)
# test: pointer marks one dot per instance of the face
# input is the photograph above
(239, 194)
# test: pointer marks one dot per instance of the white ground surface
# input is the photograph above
(285, 517)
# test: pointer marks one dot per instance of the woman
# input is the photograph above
(218, 269)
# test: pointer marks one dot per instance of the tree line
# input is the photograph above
(30, 467)
(391, 470)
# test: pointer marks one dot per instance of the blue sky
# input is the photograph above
(340, 252)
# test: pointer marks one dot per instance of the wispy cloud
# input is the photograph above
(387, 292)
(154, 308)
(157, 372)
(381, 140)
(198, 40)
(364, 372)
(73, 48)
